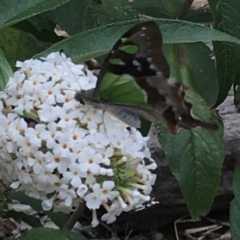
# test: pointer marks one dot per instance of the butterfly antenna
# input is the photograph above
(69, 68)
(104, 126)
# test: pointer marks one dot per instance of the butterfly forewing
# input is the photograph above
(134, 57)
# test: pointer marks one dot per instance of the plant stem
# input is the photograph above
(74, 217)
(185, 7)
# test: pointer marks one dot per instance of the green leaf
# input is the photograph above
(50, 234)
(10, 238)
(199, 16)
(109, 11)
(41, 27)
(5, 71)
(29, 219)
(12, 12)
(80, 16)
(24, 199)
(191, 64)
(99, 41)
(30, 116)
(195, 157)
(17, 45)
(235, 206)
(170, 9)
(226, 19)
(58, 218)
(145, 126)
(3, 201)
(158, 8)
(86, 14)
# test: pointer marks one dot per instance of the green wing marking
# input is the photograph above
(123, 89)
(131, 49)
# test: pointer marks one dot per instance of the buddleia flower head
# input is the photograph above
(64, 153)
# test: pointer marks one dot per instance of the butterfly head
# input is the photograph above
(85, 96)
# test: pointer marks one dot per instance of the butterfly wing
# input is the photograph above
(122, 79)
(136, 78)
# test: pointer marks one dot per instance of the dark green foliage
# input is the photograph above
(195, 156)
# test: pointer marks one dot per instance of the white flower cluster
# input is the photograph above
(64, 153)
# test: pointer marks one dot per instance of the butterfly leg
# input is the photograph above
(104, 125)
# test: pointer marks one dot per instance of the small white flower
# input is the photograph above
(107, 153)
(21, 103)
(45, 181)
(62, 146)
(93, 200)
(47, 204)
(16, 127)
(98, 140)
(28, 144)
(90, 179)
(89, 160)
(77, 139)
(66, 121)
(92, 117)
(82, 190)
(48, 92)
(66, 194)
(48, 113)
(17, 78)
(115, 210)
(34, 85)
(37, 162)
(107, 191)
(74, 174)
(50, 135)
(32, 134)
(11, 147)
(95, 221)
(24, 177)
(55, 161)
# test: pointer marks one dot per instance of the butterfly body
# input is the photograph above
(135, 81)
(123, 113)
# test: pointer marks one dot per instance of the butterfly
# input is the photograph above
(135, 81)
